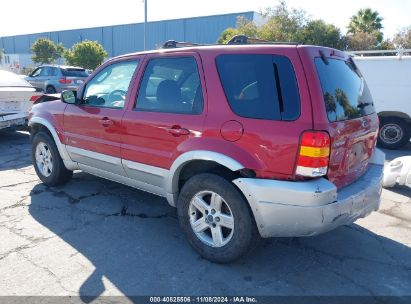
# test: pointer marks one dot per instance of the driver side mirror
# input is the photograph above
(69, 97)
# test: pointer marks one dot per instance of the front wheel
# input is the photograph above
(394, 133)
(47, 161)
(215, 218)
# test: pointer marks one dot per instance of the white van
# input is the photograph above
(389, 80)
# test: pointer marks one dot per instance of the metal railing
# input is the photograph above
(398, 52)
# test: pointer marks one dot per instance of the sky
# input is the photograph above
(34, 16)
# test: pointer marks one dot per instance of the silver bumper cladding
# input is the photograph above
(290, 209)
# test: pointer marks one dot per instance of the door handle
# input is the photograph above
(106, 122)
(178, 131)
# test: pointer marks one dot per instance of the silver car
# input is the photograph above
(57, 78)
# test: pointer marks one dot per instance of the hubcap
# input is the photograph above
(211, 219)
(391, 133)
(44, 160)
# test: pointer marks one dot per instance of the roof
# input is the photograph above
(214, 48)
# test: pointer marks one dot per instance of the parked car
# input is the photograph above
(389, 79)
(16, 98)
(57, 78)
(245, 140)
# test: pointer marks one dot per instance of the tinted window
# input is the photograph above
(346, 94)
(171, 85)
(260, 86)
(74, 72)
(109, 87)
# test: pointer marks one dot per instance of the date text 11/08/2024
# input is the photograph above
(206, 299)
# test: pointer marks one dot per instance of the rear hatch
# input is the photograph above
(350, 119)
(74, 76)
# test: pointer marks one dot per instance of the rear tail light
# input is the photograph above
(34, 98)
(64, 80)
(314, 154)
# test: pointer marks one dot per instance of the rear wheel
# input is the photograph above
(394, 133)
(47, 161)
(50, 90)
(215, 218)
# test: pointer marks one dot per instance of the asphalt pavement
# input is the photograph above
(94, 237)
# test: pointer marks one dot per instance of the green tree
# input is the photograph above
(87, 54)
(283, 24)
(243, 27)
(403, 38)
(362, 41)
(46, 51)
(317, 32)
(287, 25)
(366, 21)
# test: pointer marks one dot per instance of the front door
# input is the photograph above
(93, 128)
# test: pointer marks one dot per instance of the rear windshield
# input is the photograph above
(74, 72)
(346, 94)
(260, 86)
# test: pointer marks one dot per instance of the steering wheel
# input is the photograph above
(111, 97)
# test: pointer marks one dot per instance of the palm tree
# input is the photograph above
(366, 21)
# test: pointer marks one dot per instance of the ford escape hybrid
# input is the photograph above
(245, 140)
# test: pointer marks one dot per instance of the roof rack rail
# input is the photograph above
(172, 44)
(243, 39)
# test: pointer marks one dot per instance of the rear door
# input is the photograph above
(93, 129)
(168, 111)
(344, 107)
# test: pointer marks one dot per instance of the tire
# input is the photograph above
(47, 161)
(51, 90)
(394, 133)
(227, 244)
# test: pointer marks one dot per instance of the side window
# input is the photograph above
(171, 85)
(45, 71)
(260, 86)
(53, 71)
(36, 72)
(109, 87)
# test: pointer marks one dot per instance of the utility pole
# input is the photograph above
(145, 24)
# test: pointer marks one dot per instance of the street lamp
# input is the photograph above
(145, 23)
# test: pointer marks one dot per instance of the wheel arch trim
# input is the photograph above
(45, 123)
(185, 158)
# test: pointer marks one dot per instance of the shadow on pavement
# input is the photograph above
(403, 190)
(15, 150)
(133, 239)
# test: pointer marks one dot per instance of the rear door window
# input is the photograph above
(260, 86)
(346, 94)
(171, 85)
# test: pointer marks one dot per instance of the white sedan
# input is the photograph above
(16, 99)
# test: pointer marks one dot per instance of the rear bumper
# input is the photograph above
(290, 209)
(13, 120)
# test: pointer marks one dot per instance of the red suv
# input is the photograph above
(245, 140)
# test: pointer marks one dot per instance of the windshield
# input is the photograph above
(346, 94)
